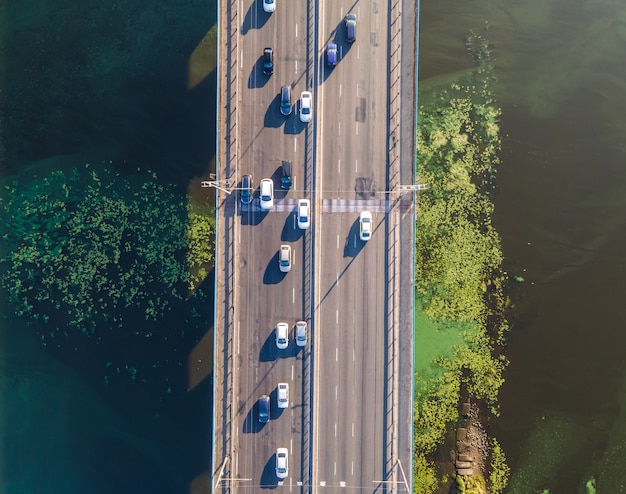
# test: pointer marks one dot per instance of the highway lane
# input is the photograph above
(264, 296)
(351, 283)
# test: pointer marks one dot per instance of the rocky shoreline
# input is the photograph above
(471, 452)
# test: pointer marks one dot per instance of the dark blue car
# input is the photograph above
(264, 409)
(331, 54)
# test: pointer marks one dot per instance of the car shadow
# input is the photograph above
(257, 79)
(353, 244)
(250, 21)
(290, 231)
(251, 215)
(293, 124)
(270, 352)
(273, 118)
(251, 424)
(273, 275)
(268, 476)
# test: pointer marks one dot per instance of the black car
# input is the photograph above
(246, 189)
(264, 409)
(285, 100)
(268, 61)
(285, 181)
(350, 28)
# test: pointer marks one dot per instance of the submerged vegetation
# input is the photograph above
(459, 278)
(91, 254)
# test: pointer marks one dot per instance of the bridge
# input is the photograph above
(347, 422)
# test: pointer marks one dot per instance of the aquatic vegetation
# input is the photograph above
(471, 485)
(92, 249)
(459, 277)
(500, 471)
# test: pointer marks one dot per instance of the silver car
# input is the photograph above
(283, 395)
(284, 258)
(306, 106)
(301, 333)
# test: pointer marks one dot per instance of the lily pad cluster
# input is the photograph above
(87, 250)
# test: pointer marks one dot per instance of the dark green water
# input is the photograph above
(560, 212)
(124, 85)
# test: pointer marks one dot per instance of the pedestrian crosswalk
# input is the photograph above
(328, 206)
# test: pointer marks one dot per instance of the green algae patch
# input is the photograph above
(434, 340)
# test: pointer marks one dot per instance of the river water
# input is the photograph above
(560, 209)
(126, 86)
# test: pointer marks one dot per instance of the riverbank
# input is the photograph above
(460, 285)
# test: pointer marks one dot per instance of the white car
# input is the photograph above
(365, 224)
(282, 463)
(301, 333)
(306, 106)
(266, 193)
(282, 335)
(283, 395)
(269, 5)
(304, 214)
(284, 258)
